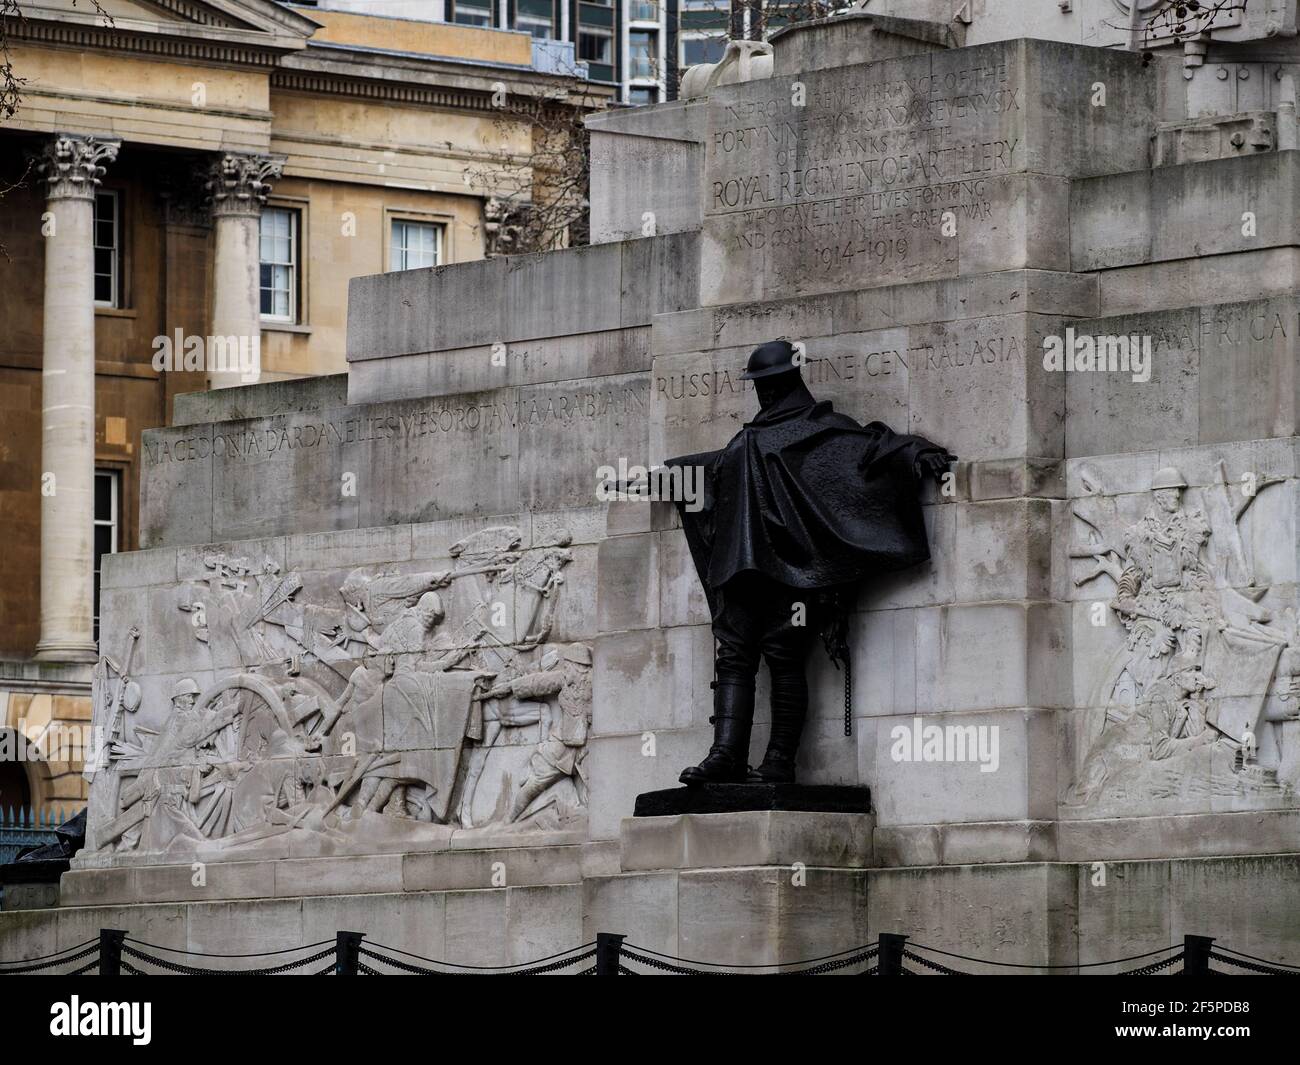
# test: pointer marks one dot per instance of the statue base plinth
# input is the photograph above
(739, 798)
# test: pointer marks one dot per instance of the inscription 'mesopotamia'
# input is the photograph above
(338, 431)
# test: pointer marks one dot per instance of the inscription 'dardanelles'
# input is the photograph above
(869, 171)
(270, 440)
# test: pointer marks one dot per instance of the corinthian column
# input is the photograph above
(71, 166)
(238, 185)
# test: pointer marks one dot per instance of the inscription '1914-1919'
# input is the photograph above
(870, 172)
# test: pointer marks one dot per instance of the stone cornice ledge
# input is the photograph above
(323, 68)
(168, 39)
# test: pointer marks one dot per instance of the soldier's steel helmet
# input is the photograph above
(578, 652)
(1169, 477)
(184, 686)
(767, 360)
(432, 601)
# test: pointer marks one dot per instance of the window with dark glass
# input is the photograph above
(107, 523)
(535, 25)
(536, 17)
(279, 265)
(108, 249)
(595, 46)
(473, 14)
(643, 54)
(697, 50)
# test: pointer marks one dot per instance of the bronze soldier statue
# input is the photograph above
(798, 509)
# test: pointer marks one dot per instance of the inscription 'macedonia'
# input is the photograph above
(359, 429)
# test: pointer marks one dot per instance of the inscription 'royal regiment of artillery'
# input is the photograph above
(865, 174)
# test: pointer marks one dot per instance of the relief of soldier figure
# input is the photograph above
(1191, 705)
(401, 700)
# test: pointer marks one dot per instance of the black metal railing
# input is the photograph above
(115, 953)
(24, 827)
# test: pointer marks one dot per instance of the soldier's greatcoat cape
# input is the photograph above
(808, 497)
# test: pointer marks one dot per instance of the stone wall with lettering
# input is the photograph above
(1217, 373)
(924, 167)
(977, 384)
(464, 455)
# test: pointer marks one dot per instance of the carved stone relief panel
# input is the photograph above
(324, 709)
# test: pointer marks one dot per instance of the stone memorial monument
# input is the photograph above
(391, 659)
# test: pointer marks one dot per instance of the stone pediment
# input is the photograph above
(246, 19)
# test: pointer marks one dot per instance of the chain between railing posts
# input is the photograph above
(890, 958)
(110, 951)
(347, 952)
(608, 949)
(1196, 955)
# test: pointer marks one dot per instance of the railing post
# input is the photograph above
(110, 951)
(1196, 955)
(890, 958)
(608, 948)
(347, 952)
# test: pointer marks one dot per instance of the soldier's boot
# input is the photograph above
(733, 718)
(528, 791)
(789, 708)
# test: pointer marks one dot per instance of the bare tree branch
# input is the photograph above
(539, 201)
(11, 83)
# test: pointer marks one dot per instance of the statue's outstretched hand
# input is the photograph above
(934, 464)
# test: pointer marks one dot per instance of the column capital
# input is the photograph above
(73, 163)
(239, 182)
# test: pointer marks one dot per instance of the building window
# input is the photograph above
(414, 245)
(473, 14)
(696, 50)
(643, 54)
(279, 280)
(536, 17)
(595, 46)
(108, 249)
(643, 10)
(538, 25)
(643, 95)
(108, 497)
